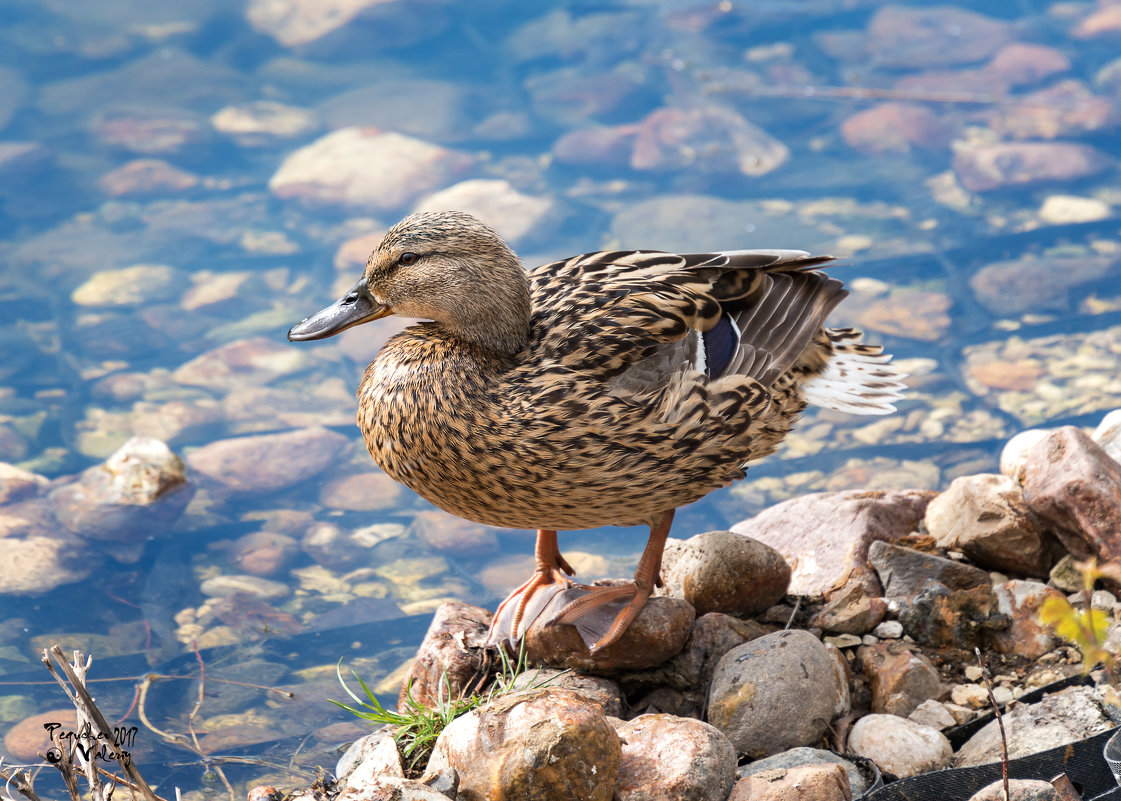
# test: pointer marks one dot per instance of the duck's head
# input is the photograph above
(445, 266)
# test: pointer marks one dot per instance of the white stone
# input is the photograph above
(898, 745)
(297, 22)
(1069, 209)
(973, 696)
(516, 216)
(932, 713)
(366, 170)
(1016, 449)
(1108, 434)
(889, 630)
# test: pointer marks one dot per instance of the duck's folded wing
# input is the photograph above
(641, 315)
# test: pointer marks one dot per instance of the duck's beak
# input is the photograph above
(354, 308)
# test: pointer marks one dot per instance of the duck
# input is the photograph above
(605, 389)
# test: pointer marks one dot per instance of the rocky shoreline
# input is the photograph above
(829, 633)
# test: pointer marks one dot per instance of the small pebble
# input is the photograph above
(889, 630)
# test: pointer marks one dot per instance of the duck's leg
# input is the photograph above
(608, 630)
(527, 601)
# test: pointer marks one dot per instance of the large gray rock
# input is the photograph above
(720, 571)
(900, 746)
(825, 536)
(667, 758)
(776, 692)
(985, 517)
(550, 745)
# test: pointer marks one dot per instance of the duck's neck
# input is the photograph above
(495, 317)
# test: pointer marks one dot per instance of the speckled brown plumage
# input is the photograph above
(583, 393)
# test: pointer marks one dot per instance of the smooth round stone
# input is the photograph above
(222, 586)
(1014, 453)
(270, 462)
(720, 571)
(1018, 790)
(900, 746)
(776, 692)
(140, 283)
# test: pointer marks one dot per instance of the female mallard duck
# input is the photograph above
(609, 388)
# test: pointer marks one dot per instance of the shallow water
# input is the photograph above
(887, 135)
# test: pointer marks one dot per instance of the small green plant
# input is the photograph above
(416, 726)
(1085, 627)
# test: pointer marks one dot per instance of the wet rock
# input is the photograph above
(1021, 63)
(1020, 601)
(366, 170)
(1065, 109)
(263, 553)
(709, 139)
(1010, 164)
(27, 738)
(942, 602)
(20, 159)
(933, 36)
(134, 494)
(985, 517)
(1108, 435)
(253, 586)
(915, 315)
(270, 462)
(776, 692)
(546, 744)
(719, 571)
(252, 361)
(596, 147)
(146, 177)
(895, 127)
(140, 283)
(518, 217)
(809, 782)
(452, 648)
(1075, 486)
(825, 536)
(293, 23)
(433, 110)
(250, 409)
(900, 679)
(149, 130)
(934, 714)
(17, 484)
(1104, 21)
(899, 746)
(362, 492)
(680, 685)
(1018, 790)
(367, 758)
(34, 565)
(571, 96)
(452, 535)
(807, 756)
(1034, 283)
(329, 546)
(658, 633)
(263, 122)
(853, 609)
(1071, 210)
(1064, 717)
(597, 689)
(667, 757)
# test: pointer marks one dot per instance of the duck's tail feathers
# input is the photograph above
(857, 378)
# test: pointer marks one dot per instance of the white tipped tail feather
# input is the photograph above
(857, 379)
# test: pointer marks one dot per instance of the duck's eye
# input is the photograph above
(407, 258)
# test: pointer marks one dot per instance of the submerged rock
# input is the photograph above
(269, 462)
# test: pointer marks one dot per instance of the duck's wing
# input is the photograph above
(638, 317)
